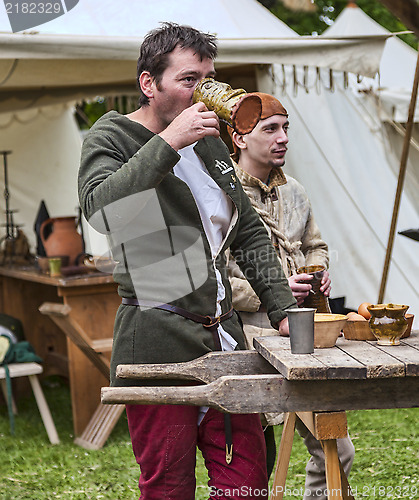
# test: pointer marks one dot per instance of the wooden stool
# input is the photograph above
(326, 427)
(31, 370)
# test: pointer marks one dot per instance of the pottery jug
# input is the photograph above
(64, 238)
(315, 298)
(218, 97)
(388, 322)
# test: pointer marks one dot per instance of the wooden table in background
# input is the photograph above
(93, 300)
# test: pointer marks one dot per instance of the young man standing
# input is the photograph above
(285, 210)
(159, 182)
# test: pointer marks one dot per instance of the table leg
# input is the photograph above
(333, 477)
(44, 410)
(283, 456)
(4, 389)
(94, 310)
(346, 489)
(327, 427)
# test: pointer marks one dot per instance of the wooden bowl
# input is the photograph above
(327, 328)
(358, 330)
(410, 318)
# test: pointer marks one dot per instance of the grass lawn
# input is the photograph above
(386, 461)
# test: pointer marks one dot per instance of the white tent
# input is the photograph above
(92, 49)
(45, 144)
(397, 66)
(387, 97)
(342, 152)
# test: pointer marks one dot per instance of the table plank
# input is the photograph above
(273, 393)
(277, 351)
(206, 369)
(327, 363)
(413, 340)
(340, 365)
(379, 364)
(30, 273)
(405, 353)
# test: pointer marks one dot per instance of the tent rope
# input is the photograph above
(10, 73)
(308, 81)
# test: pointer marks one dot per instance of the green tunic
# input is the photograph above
(121, 158)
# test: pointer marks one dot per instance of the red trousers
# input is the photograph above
(164, 440)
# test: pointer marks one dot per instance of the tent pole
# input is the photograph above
(402, 173)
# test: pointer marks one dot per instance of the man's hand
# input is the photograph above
(299, 288)
(283, 328)
(326, 284)
(192, 124)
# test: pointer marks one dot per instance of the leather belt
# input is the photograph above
(210, 322)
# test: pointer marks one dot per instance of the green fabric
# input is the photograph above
(121, 158)
(21, 352)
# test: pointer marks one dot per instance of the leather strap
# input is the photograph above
(229, 437)
(206, 321)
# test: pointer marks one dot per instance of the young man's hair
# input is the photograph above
(159, 43)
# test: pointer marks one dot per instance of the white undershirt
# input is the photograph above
(215, 209)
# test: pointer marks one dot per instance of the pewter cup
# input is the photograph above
(301, 325)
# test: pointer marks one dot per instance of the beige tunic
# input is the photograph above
(285, 210)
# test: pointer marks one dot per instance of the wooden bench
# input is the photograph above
(104, 418)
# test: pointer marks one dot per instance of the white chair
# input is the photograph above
(31, 370)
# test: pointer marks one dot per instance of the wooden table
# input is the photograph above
(353, 375)
(379, 366)
(93, 300)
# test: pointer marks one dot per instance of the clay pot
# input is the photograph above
(64, 238)
(409, 319)
(388, 322)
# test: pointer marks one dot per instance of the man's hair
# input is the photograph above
(160, 42)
